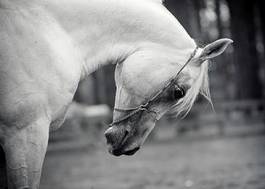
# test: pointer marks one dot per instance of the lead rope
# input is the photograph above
(144, 107)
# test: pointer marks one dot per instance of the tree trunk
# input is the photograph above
(110, 84)
(246, 59)
(3, 178)
(218, 19)
(195, 18)
(261, 7)
(99, 86)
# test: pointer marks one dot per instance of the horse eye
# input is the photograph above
(179, 92)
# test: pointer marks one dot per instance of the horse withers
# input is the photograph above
(48, 46)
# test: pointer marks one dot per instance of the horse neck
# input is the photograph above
(108, 31)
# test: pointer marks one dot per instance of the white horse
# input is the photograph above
(48, 46)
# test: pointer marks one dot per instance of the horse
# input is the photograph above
(48, 46)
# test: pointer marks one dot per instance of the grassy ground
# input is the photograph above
(232, 163)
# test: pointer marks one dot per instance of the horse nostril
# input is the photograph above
(124, 138)
(126, 134)
(116, 137)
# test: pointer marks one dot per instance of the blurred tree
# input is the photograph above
(261, 7)
(99, 87)
(85, 92)
(222, 70)
(198, 5)
(218, 18)
(3, 180)
(246, 59)
(110, 84)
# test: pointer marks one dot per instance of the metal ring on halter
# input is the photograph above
(145, 106)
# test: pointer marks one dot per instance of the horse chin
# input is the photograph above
(123, 150)
(119, 152)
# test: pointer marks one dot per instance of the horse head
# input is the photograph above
(150, 83)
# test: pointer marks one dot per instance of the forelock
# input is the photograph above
(200, 86)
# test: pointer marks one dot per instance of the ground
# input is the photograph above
(215, 163)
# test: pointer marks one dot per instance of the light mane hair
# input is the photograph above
(200, 86)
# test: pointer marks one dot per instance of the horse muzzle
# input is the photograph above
(118, 141)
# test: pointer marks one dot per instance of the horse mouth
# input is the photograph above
(131, 152)
(121, 151)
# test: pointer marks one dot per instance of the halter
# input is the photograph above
(145, 106)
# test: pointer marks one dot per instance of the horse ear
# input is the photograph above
(215, 49)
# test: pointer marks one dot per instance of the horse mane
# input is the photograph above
(201, 86)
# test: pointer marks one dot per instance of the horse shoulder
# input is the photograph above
(39, 68)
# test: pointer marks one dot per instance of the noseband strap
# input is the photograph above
(145, 107)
